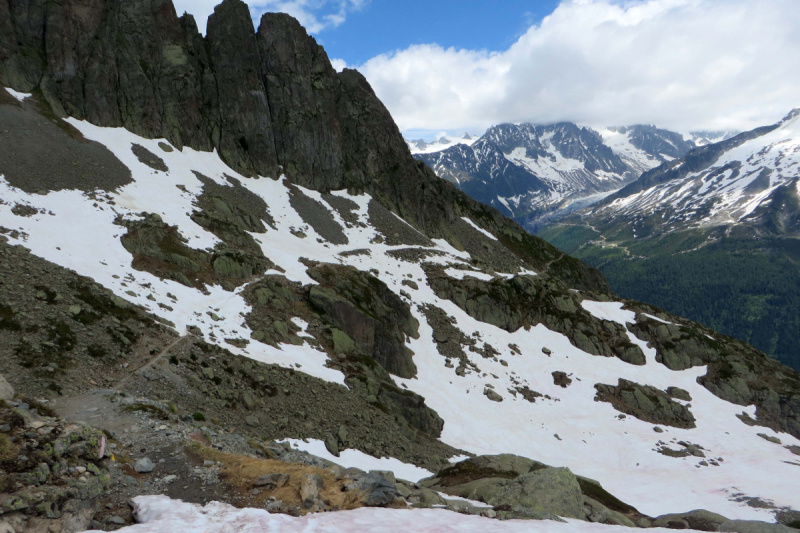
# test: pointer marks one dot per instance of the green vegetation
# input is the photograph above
(742, 287)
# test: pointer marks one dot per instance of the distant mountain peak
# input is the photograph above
(531, 171)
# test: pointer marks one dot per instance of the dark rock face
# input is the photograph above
(264, 100)
(245, 124)
(367, 311)
(645, 403)
(302, 88)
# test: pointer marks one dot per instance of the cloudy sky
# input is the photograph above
(455, 66)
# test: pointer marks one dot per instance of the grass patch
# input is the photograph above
(8, 450)
(239, 472)
(199, 417)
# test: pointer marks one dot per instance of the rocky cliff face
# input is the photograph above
(268, 101)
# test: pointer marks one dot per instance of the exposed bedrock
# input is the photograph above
(517, 487)
(737, 372)
(525, 301)
(645, 403)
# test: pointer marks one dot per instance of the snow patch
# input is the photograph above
(362, 461)
(18, 95)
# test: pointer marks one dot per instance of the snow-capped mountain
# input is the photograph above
(750, 178)
(419, 146)
(534, 172)
(232, 284)
(714, 231)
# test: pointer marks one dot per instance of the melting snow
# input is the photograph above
(362, 461)
(569, 429)
(18, 95)
(159, 514)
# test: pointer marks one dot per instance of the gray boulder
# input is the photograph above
(272, 481)
(754, 526)
(310, 486)
(699, 519)
(6, 390)
(548, 491)
(376, 489)
(144, 465)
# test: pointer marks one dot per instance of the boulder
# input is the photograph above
(376, 489)
(698, 519)
(754, 526)
(310, 485)
(144, 465)
(272, 481)
(492, 395)
(547, 491)
(6, 390)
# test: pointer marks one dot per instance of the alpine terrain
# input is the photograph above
(712, 236)
(536, 174)
(232, 300)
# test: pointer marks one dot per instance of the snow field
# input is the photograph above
(569, 429)
(159, 514)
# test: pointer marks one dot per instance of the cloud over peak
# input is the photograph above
(683, 64)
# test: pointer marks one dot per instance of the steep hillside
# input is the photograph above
(536, 173)
(712, 236)
(221, 253)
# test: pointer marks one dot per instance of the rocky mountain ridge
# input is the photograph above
(534, 173)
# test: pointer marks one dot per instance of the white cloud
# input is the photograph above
(315, 15)
(681, 64)
(338, 64)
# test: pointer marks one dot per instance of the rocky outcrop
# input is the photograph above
(517, 487)
(645, 403)
(699, 520)
(737, 372)
(52, 481)
(375, 319)
(359, 322)
(161, 250)
(525, 301)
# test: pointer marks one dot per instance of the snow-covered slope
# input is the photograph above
(565, 426)
(528, 171)
(749, 178)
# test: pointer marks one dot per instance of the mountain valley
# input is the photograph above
(711, 236)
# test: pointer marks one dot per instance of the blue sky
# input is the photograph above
(383, 26)
(455, 66)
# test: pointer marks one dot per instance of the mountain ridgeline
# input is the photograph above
(268, 101)
(536, 173)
